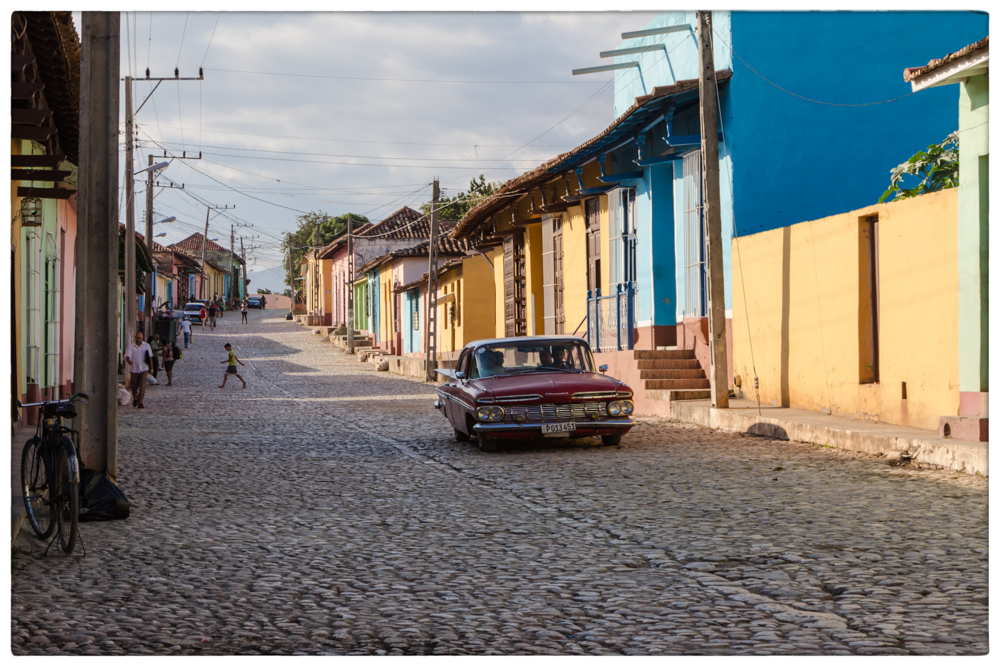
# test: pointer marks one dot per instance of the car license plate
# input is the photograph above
(565, 427)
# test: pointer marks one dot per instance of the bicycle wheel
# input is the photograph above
(66, 481)
(35, 489)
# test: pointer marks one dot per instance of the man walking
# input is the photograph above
(137, 356)
(211, 315)
(186, 328)
(231, 369)
(203, 316)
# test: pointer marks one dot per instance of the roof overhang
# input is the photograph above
(957, 67)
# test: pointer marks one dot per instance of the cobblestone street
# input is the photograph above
(327, 509)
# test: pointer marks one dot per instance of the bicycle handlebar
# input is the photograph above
(75, 397)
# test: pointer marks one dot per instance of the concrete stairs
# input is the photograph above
(671, 375)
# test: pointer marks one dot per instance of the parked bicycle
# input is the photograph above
(50, 474)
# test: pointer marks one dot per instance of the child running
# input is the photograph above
(231, 369)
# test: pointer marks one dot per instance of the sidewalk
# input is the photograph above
(839, 432)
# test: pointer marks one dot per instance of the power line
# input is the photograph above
(367, 78)
(352, 141)
(184, 32)
(361, 157)
(211, 38)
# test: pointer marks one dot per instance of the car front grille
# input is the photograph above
(557, 411)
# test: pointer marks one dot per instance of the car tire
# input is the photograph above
(488, 445)
(461, 436)
(611, 440)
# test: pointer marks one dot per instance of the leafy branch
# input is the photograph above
(937, 167)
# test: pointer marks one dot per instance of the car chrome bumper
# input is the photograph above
(535, 428)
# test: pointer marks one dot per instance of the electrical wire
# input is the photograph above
(210, 39)
(801, 97)
(395, 80)
(183, 33)
(360, 157)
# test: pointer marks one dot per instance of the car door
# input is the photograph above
(453, 389)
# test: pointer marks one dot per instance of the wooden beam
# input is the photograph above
(37, 175)
(36, 160)
(32, 133)
(29, 116)
(46, 193)
(25, 91)
(19, 61)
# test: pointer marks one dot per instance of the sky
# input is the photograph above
(352, 112)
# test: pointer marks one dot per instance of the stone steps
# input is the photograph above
(672, 374)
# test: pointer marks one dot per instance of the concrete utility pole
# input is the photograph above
(232, 245)
(291, 283)
(95, 350)
(350, 284)
(130, 304)
(243, 271)
(148, 301)
(707, 96)
(432, 285)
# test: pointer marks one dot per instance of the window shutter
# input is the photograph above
(548, 275)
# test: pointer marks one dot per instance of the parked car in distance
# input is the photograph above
(254, 302)
(192, 311)
(532, 387)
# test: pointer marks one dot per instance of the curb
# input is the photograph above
(961, 456)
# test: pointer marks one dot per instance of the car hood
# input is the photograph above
(553, 386)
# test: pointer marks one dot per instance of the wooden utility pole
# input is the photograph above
(432, 286)
(130, 304)
(148, 300)
(95, 350)
(232, 246)
(707, 96)
(204, 244)
(291, 282)
(350, 284)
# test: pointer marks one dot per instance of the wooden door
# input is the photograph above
(515, 308)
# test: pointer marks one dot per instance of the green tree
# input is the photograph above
(262, 290)
(303, 239)
(937, 168)
(455, 208)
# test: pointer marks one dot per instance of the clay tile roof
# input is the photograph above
(911, 73)
(447, 247)
(193, 244)
(402, 224)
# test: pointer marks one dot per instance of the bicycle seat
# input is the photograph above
(64, 410)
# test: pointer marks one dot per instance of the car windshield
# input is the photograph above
(508, 358)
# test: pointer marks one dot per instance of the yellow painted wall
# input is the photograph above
(478, 303)
(450, 328)
(500, 323)
(802, 307)
(533, 279)
(574, 233)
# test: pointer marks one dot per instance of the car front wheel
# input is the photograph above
(461, 436)
(488, 444)
(611, 440)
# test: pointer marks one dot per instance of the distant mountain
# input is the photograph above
(272, 279)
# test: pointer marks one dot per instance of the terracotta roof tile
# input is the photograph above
(193, 243)
(447, 247)
(911, 73)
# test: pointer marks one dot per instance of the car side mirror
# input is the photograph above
(603, 368)
(460, 375)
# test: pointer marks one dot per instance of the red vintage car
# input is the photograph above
(532, 387)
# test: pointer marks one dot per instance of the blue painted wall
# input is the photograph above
(784, 159)
(797, 160)
(411, 338)
(655, 298)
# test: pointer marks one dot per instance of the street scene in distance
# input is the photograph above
(530, 364)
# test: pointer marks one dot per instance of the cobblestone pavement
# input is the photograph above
(327, 509)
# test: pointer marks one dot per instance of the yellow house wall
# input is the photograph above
(533, 279)
(479, 300)
(802, 305)
(385, 322)
(500, 324)
(450, 328)
(574, 241)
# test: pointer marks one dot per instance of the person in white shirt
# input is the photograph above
(186, 328)
(138, 356)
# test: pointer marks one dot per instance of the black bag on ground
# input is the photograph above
(100, 499)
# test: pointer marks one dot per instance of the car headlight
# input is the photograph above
(489, 414)
(627, 407)
(614, 408)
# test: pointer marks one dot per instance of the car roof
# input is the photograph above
(528, 340)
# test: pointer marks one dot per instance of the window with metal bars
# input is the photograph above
(51, 333)
(33, 315)
(695, 279)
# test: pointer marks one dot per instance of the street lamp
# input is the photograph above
(170, 219)
(152, 168)
(159, 235)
